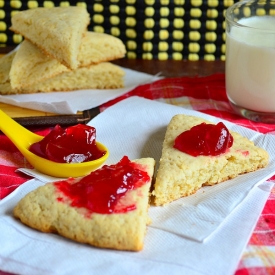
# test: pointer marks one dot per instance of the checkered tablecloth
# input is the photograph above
(205, 94)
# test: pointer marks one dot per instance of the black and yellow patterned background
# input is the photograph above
(150, 29)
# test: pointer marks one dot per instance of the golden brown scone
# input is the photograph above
(100, 76)
(48, 210)
(180, 174)
(57, 31)
(99, 47)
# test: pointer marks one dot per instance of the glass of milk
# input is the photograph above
(250, 59)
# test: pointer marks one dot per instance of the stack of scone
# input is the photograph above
(59, 54)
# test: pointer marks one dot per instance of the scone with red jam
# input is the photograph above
(108, 208)
(195, 153)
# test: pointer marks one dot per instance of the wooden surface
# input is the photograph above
(173, 68)
(167, 68)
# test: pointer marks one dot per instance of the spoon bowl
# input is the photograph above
(23, 138)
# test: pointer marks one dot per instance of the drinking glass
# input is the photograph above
(250, 59)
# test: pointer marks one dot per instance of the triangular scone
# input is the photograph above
(99, 47)
(49, 210)
(30, 66)
(100, 76)
(56, 31)
(180, 174)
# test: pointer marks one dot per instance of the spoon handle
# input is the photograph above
(15, 132)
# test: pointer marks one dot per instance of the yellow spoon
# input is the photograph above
(23, 138)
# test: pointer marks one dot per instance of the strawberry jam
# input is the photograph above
(72, 145)
(204, 139)
(102, 190)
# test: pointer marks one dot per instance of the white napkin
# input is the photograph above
(189, 236)
(74, 101)
(36, 174)
(26, 251)
(136, 127)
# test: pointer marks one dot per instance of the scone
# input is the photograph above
(181, 174)
(99, 47)
(57, 31)
(108, 210)
(100, 76)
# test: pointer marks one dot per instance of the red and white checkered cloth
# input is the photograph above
(205, 94)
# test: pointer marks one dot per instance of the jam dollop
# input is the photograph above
(204, 139)
(101, 190)
(71, 145)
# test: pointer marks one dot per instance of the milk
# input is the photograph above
(250, 64)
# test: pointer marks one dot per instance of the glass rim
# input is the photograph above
(236, 24)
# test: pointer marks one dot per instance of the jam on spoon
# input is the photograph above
(101, 190)
(74, 144)
(204, 139)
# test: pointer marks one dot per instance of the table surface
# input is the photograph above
(173, 68)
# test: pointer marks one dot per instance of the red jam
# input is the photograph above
(204, 139)
(102, 190)
(72, 145)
